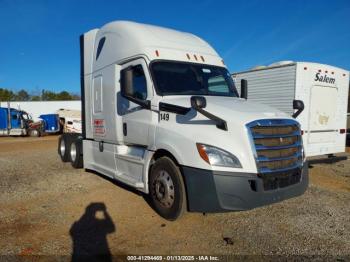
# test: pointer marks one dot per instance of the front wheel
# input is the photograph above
(167, 189)
(34, 133)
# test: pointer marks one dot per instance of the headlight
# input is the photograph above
(217, 157)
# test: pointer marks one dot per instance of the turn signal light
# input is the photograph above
(342, 131)
(202, 153)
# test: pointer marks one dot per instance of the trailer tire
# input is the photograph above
(76, 154)
(63, 149)
(167, 189)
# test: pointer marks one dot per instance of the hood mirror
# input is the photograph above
(299, 106)
(198, 102)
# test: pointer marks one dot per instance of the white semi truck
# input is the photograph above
(161, 114)
(323, 89)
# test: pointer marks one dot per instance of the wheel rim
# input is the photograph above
(73, 152)
(164, 189)
(62, 147)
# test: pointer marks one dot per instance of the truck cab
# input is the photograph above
(161, 114)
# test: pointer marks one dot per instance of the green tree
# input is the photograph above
(6, 95)
(48, 96)
(75, 97)
(35, 98)
(22, 95)
(64, 95)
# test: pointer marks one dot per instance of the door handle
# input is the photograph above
(125, 129)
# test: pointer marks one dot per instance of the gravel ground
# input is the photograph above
(49, 208)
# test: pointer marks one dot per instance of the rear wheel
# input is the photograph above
(167, 189)
(76, 156)
(63, 149)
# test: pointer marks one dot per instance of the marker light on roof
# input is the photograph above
(326, 71)
(305, 68)
(157, 53)
(332, 73)
(188, 56)
(319, 70)
(202, 58)
(195, 57)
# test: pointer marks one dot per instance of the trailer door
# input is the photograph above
(322, 113)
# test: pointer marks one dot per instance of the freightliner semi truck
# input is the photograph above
(160, 113)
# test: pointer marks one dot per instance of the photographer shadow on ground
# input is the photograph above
(89, 234)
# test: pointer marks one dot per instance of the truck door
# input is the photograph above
(15, 119)
(136, 121)
(322, 114)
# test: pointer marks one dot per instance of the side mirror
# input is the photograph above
(299, 106)
(126, 82)
(198, 102)
(127, 88)
(244, 89)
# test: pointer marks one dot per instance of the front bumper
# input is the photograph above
(213, 191)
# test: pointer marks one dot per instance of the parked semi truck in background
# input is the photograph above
(14, 122)
(161, 114)
(323, 89)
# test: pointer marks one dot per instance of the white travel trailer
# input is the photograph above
(161, 114)
(323, 90)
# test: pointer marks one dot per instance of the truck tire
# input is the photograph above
(167, 189)
(76, 154)
(63, 148)
(34, 132)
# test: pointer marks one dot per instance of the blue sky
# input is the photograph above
(39, 47)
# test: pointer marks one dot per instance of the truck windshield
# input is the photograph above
(177, 78)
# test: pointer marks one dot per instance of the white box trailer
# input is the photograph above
(322, 88)
(160, 113)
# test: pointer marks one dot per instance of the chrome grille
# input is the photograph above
(278, 147)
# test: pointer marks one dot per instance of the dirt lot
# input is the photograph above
(45, 205)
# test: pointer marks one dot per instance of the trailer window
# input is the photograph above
(179, 78)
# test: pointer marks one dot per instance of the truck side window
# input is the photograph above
(100, 46)
(139, 83)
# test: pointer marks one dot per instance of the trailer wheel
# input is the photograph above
(34, 133)
(167, 189)
(63, 149)
(76, 154)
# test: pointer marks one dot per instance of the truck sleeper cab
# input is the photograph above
(160, 113)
